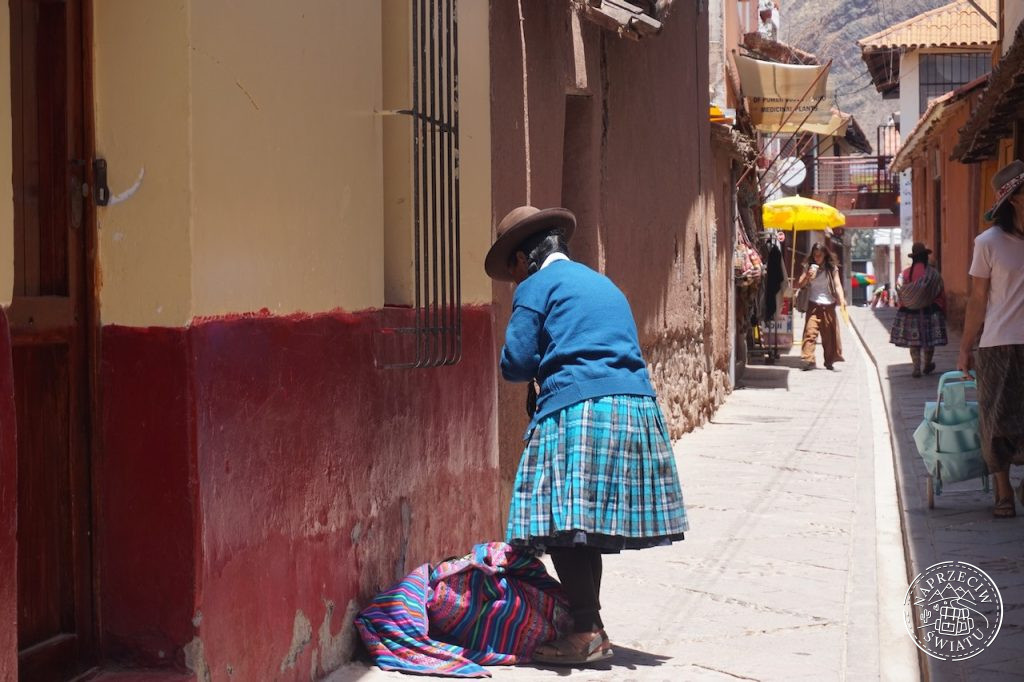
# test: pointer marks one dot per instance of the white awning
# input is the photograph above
(780, 81)
(791, 116)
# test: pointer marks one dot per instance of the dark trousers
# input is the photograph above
(579, 571)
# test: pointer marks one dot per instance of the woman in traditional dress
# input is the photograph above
(598, 474)
(825, 292)
(920, 322)
(997, 302)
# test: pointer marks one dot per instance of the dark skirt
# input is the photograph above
(1001, 414)
(924, 328)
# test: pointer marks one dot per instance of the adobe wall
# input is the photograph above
(612, 129)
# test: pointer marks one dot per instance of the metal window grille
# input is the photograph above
(435, 334)
(940, 73)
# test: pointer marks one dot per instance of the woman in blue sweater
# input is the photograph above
(598, 474)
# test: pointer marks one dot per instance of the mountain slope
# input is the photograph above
(830, 29)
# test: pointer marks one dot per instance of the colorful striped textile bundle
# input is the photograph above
(493, 606)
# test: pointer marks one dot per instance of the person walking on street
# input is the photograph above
(881, 297)
(825, 292)
(598, 474)
(996, 302)
(920, 322)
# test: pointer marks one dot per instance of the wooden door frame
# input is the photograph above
(91, 305)
(85, 333)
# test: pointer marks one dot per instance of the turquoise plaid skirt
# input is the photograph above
(599, 473)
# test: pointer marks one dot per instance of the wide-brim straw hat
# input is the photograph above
(521, 223)
(1007, 181)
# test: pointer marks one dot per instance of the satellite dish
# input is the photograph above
(792, 172)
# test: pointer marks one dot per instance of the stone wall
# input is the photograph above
(690, 388)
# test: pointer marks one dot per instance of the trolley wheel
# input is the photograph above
(769, 359)
(931, 493)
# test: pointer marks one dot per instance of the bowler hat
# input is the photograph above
(1007, 181)
(919, 249)
(519, 224)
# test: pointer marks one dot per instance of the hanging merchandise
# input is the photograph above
(747, 262)
(774, 275)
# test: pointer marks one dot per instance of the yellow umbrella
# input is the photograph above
(800, 214)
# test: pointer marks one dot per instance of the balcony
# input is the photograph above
(860, 186)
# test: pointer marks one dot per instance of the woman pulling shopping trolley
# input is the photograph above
(997, 303)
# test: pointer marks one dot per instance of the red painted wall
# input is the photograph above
(145, 496)
(8, 512)
(306, 478)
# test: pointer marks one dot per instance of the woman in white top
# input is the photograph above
(825, 292)
(995, 313)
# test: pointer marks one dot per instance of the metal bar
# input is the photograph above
(417, 126)
(433, 185)
(441, 334)
(423, 310)
(449, 345)
(456, 175)
(444, 34)
(982, 12)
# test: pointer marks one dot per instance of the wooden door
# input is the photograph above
(48, 318)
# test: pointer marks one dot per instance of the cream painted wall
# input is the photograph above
(261, 136)
(6, 166)
(286, 148)
(910, 86)
(475, 151)
(141, 97)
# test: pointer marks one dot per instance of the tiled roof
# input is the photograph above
(957, 24)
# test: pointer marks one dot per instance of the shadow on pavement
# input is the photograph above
(625, 659)
(960, 526)
(769, 376)
(761, 376)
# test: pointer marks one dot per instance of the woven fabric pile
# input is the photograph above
(493, 606)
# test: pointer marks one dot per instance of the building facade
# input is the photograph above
(219, 452)
(250, 349)
(922, 58)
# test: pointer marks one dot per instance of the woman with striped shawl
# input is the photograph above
(920, 322)
(598, 473)
(997, 303)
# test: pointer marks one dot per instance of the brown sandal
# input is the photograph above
(1005, 508)
(565, 652)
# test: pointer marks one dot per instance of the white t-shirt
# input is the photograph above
(999, 257)
(818, 291)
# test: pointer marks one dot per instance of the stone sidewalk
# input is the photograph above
(960, 527)
(794, 567)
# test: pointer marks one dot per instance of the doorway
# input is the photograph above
(49, 317)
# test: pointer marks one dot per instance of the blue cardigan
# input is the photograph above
(573, 330)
